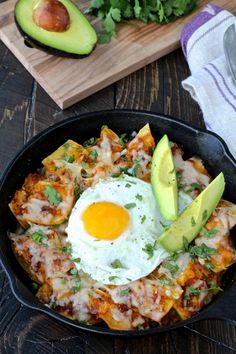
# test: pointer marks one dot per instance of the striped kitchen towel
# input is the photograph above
(210, 83)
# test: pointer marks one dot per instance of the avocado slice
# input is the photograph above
(163, 179)
(194, 217)
(57, 27)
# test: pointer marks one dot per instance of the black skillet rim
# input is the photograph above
(15, 284)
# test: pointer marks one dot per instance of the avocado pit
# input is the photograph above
(51, 15)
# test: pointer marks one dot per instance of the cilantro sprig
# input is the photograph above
(112, 12)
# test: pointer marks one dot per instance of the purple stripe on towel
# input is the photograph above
(219, 89)
(208, 31)
(204, 16)
(222, 77)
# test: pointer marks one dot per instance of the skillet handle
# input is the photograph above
(224, 307)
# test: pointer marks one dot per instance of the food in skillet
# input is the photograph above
(90, 229)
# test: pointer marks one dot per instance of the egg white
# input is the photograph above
(96, 256)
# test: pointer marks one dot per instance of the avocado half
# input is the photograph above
(77, 40)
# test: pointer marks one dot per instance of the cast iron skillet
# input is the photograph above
(194, 141)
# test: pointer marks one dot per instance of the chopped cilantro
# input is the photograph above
(117, 264)
(76, 260)
(143, 219)
(63, 281)
(90, 293)
(137, 170)
(93, 155)
(74, 272)
(172, 267)
(149, 249)
(208, 266)
(138, 159)
(165, 282)
(179, 177)
(52, 195)
(85, 165)
(67, 249)
(204, 215)
(174, 256)
(191, 291)
(128, 185)
(85, 174)
(38, 237)
(76, 287)
(130, 205)
(66, 145)
(77, 191)
(193, 222)
(202, 251)
(90, 142)
(123, 139)
(69, 158)
(208, 233)
(112, 278)
(139, 197)
(124, 292)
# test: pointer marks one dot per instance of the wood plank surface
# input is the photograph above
(68, 80)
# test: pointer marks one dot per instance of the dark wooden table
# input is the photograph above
(25, 110)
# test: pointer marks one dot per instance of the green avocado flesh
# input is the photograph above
(163, 179)
(80, 37)
(194, 217)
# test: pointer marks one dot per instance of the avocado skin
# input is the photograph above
(31, 42)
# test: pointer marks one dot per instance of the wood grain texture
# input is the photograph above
(68, 80)
(156, 87)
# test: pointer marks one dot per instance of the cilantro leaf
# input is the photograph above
(93, 155)
(90, 142)
(143, 219)
(69, 158)
(97, 3)
(172, 267)
(202, 251)
(139, 197)
(208, 233)
(112, 278)
(116, 14)
(124, 292)
(149, 249)
(38, 237)
(117, 264)
(52, 195)
(130, 205)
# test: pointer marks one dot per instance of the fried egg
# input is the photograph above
(114, 227)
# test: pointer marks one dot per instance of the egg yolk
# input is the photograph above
(105, 220)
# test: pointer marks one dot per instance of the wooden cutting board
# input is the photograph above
(70, 80)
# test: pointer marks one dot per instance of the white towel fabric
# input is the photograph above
(211, 84)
